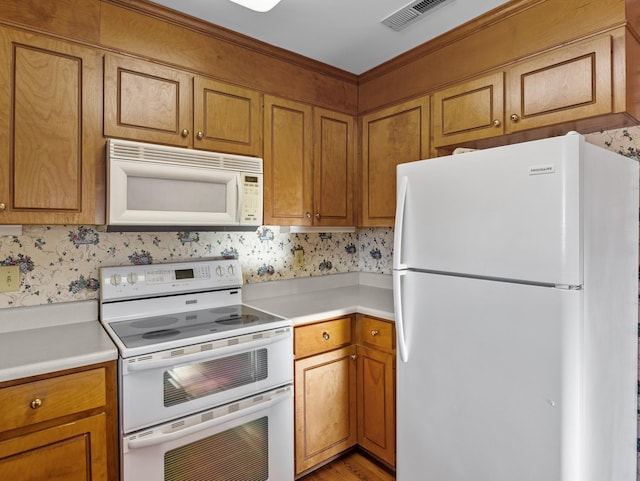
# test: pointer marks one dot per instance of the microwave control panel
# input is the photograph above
(251, 212)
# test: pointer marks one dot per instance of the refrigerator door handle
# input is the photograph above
(397, 234)
(397, 306)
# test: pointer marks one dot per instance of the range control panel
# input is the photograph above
(141, 281)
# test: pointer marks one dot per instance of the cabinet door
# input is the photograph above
(147, 102)
(72, 451)
(376, 403)
(288, 174)
(469, 111)
(49, 130)
(390, 137)
(325, 406)
(570, 83)
(333, 166)
(226, 118)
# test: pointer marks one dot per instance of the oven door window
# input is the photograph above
(192, 381)
(241, 453)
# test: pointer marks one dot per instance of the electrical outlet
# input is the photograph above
(9, 278)
(298, 257)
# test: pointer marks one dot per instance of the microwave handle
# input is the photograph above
(240, 197)
(213, 354)
(155, 439)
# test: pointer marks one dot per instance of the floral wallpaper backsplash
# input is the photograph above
(61, 263)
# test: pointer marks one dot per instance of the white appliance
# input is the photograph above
(151, 186)
(515, 284)
(205, 382)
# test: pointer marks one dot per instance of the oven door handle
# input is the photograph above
(212, 354)
(160, 438)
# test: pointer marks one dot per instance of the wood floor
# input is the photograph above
(353, 466)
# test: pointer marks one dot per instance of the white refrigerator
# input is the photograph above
(516, 288)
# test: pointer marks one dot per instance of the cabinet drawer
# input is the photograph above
(37, 401)
(322, 336)
(377, 333)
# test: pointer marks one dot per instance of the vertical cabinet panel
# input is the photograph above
(288, 165)
(389, 137)
(49, 130)
(333, 165)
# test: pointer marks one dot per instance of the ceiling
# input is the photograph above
(347, 34)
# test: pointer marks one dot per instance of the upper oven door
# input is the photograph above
(157, 387)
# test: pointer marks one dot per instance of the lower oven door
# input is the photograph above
(166, 385)
(247, 440)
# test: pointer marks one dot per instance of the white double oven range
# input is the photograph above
(205, 382)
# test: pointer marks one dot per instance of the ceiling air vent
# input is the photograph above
(410, 13)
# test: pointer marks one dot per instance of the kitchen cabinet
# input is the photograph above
(155, 103)
(61, 426)
(390, 136)
(559, 86)
(376, 388)
(50, 121)
(309, 161)
(325, 391)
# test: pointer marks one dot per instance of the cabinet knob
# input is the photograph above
(36, 403)
(354, 357)
(184, 132)
(200, 135)
(375, 332)
(3, 206)
(318, 216)
(514, 117)
(326, 335)
(497, 123)
(308, 215)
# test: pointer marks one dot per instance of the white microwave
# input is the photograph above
(160, 187)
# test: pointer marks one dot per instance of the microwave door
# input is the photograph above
(148, 193)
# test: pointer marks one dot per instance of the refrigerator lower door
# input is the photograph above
(491, 389)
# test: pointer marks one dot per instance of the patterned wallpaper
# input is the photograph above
(61, 263)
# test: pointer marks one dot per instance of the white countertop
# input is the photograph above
(48, 338)
(312, 299)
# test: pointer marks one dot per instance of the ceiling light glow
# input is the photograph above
(258, 5)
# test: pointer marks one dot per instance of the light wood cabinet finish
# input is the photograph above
(325, 406)
(308, 165)
(322, 336)
(60, 427)
(50, 143)
(150, 102)
(376, 388)
(390, 136)
(557, 87)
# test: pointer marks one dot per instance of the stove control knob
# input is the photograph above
(132, 278)
(115, 280)
(231, 269)
(220, 271)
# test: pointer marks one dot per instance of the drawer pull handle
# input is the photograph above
(36, 403)
(375, 332)
(354, 357)
(326, 335)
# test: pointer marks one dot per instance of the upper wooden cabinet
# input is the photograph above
(50, 140)
(154, 103)
(560, 86)
(308, 165)
(390, 137)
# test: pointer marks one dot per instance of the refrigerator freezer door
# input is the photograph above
(510, 212)
(491, 386)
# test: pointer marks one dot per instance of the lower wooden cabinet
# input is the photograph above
(344, 390)
(325, 391)
(376, 388)
(60, 427)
